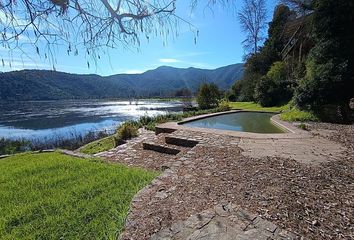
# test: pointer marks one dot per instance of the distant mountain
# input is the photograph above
(162, 81)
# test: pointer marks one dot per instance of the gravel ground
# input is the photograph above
(343, 134)
(313, 201)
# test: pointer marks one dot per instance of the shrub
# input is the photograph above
(303, 126)
(264, 92)
(208, 96)
(244, 89)
(145, 120)
(117, 140)
(127, 130)
(8, 146)
(224, 106)
(151, 126)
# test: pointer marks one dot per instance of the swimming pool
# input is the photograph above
(255, 122)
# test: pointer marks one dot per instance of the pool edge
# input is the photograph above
(203, 116)
(291, 131)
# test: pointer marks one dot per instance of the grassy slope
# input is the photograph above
(54, 196)
(295, 115)
(288, 114)
(256, 107)
(97, 146)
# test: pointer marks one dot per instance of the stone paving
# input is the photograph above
(223, 222)
(229, 187)
(304, 150)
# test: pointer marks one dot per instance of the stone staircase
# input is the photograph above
(167, 144)
(150, 150)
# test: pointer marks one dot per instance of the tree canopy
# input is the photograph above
(308, 56)
(330, 66)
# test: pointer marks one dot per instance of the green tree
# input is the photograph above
(274, 88)
(254, 70)
(330, 66)
(208, 96)
(276, 40)
(257, 65)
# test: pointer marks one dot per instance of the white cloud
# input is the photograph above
(169, 60)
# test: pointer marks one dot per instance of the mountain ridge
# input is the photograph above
(163, 81)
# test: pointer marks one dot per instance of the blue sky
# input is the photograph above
(218, 44)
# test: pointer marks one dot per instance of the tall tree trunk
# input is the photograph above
(255, 46)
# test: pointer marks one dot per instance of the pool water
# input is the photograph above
(255, 122)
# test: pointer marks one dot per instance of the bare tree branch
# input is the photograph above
(88, 24)
(252, 18)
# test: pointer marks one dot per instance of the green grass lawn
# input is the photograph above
(55, 196)
(100, 145)
(288, 114)
(256, 107)
(295, 115)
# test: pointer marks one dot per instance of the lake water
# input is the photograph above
(48, 119)
(242, 121)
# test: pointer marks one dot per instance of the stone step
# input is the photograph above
(160, 148)
(159, 130)
(183, 142)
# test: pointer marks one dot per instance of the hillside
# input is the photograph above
(163, 81)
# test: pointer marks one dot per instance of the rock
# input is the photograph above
(253, 234)
(164, 167)
(200, 220)
(164, 234)
(351, 104)
(162, 195)
(221, 211)
(245, 215)
(177, 227)
(266, 225)
(315, 223)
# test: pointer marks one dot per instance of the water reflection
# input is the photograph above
(243, 122)
(46, 119)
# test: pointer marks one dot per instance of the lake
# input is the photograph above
(44, 120)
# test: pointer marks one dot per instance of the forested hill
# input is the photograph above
(163, 81)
